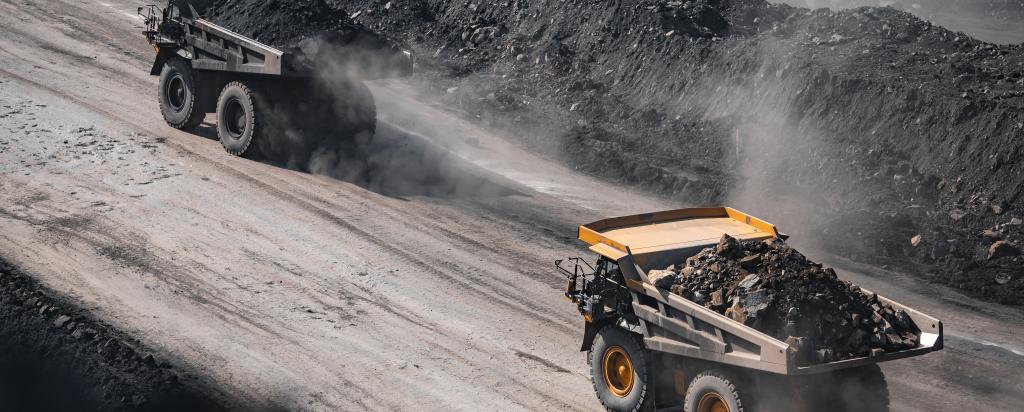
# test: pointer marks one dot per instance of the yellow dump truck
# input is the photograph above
(650, 349)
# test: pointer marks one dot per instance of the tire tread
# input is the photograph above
(193, 118)
(254, 120)
(645, 403)
(713, 374)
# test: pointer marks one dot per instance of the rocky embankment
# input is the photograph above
(56, 357)
(869, 132)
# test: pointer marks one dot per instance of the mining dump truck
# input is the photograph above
(651, 349)
(257, 90)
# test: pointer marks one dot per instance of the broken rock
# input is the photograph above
(662, 278)
(61, 321)
(775, 289)
(1002, 249)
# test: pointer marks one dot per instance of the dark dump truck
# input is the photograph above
(259, 91)
(650, 349)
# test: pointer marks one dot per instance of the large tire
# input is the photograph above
(178, 100)
(240, 119)
(712, 392)
(619, 371)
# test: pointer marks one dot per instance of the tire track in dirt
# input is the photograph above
(448, 233)
(192, 286)
(508, 299)
(291, 199)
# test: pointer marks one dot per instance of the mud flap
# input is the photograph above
(158, 64)
(590, 331)
(163, 56)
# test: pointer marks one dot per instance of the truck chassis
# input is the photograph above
(258, 92)
(648, 347)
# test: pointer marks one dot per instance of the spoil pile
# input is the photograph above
(775, 289)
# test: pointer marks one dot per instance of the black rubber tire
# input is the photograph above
(862, 389)
(178, 101)
(639, 398)
(712, 382)
(239, 119)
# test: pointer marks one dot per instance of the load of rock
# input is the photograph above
(773, 288)
(314, 32)
(282, 24)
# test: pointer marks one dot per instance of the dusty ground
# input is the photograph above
(429, 284)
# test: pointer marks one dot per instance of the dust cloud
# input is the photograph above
(776, 156)
(333, 129)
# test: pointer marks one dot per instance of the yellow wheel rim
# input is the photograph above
(618, 371)
(712, 402)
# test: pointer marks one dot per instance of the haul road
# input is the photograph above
(161, 234)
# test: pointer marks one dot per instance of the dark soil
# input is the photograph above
(55, 357)
(855, 130)
(773, 288)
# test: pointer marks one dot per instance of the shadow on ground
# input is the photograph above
(55, 357)
(394, 163)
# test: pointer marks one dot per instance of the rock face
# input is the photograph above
(773, 288)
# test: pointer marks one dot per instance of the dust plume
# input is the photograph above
(334, 129)
(777, 156)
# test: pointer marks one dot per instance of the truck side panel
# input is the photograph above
(216, 48)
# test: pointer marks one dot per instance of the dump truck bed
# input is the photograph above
(673, 324)
(211, 47)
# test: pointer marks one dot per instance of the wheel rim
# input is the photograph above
(175, 92)
(618, 371)
(712, 402)
(234, 118)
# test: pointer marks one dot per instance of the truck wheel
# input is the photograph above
(619, 370)
(239, 119)
(712, 392)
(178, 101)
(859, 389)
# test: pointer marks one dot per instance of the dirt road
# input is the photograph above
(430, 284)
